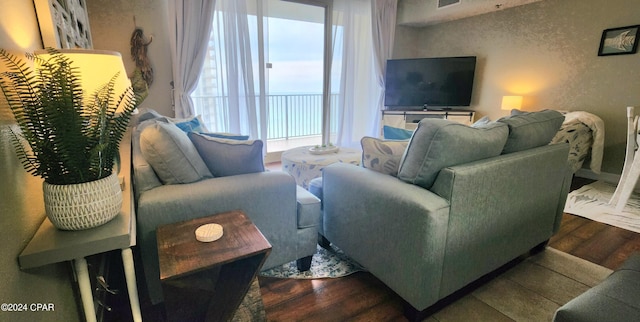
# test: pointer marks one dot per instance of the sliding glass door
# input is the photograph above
(266, 72)
(295, 51)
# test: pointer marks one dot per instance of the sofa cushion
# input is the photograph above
(531, 129)
(171, 154)
(308, 208)
(315, 187)
(226, 157)
(617, 298)
(437, 144)
(382, 155)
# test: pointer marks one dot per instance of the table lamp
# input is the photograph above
(96, 68)
(511, 102)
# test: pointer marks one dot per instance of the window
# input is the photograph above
(284, 98)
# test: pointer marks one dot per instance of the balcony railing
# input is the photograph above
(289, 116)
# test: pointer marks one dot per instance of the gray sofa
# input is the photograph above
(286, 214)
(465, 201)
(616, 299)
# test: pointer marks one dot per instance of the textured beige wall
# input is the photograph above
(21, 202)
(546, 52)
(112, 23)
(426, 12)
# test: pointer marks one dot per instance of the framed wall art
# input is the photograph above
(64, 23)
(619, 41)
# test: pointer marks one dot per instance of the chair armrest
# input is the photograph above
(501, 207)
(308, 208)
(388, 226)
(267, 198)
(356, 195)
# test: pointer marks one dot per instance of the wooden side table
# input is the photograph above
(207, 281)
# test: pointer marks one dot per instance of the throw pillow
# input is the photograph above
(531, 129)
(229, 136)
(145, 114)
(516, 111)
(193, 124)
(382, 155)
(171, 154)
(144, 175)
(481, 122)
(229, 157)
(395, 133)
(437, 144)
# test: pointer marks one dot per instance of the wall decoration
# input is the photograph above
(619, 41)
(139, 49)
(143, 74)
(64, 23)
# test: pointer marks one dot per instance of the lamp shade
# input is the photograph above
(511, 102)
(95, 68)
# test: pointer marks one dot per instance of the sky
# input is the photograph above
(295, 51)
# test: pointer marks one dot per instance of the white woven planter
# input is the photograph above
(84, 205)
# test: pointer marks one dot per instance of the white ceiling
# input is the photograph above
(426, 12)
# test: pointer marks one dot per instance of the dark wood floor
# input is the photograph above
(361, 297)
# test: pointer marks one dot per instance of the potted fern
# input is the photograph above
(66, 136)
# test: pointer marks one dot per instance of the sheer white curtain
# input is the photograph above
(237, 56)
(383, 19)
(234, 55)
(189, 29)
(357, 74)
(357, 105)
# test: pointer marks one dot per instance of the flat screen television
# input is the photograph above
(429, 82)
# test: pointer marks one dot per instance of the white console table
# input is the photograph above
(50, 245)
(409, 119)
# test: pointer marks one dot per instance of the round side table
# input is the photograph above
(305, 166)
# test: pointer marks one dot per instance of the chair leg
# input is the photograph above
(631, 155)
(304, 264)
(324, 242)
(413, 315)
(624, 177)
(539, 248)
(628, 185)
(615, 198)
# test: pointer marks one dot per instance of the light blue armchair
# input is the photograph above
(465, 201)
(286, 214)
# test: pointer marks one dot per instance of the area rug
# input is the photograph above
(252, 307)
(531, 291)
(592, 202)
(326, 263)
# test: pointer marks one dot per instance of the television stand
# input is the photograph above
(438, 109)
(409, 119)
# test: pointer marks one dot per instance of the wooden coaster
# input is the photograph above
(209, 232)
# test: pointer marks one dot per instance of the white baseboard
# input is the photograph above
(603, 176)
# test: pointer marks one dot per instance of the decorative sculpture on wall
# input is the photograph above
(143, 75)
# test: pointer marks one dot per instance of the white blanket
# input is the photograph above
(596, 125)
